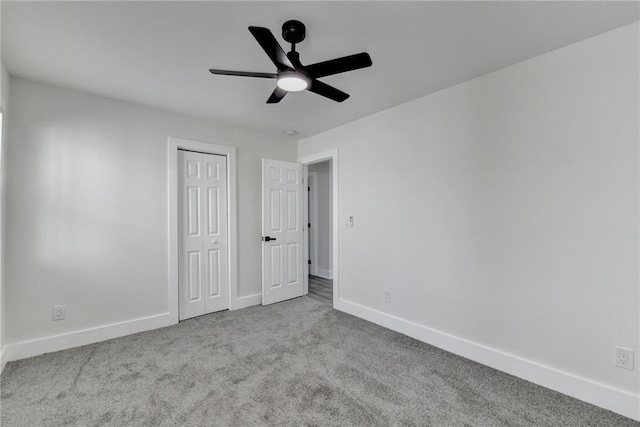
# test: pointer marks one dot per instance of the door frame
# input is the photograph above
(317, 158)
(174, 144)
(313, 213)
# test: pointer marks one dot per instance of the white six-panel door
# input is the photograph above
(282, 253)
(203, 250)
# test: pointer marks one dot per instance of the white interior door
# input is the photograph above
(203, 235)
(282, 231)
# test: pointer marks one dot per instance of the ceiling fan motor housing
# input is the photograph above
(293, 31)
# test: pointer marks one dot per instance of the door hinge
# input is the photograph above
(309, 225)
(309, 262)
(308, 188)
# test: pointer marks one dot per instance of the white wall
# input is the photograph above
(502, 214)
(87, 203)
(325, 223)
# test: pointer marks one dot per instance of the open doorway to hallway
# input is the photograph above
(320, 202)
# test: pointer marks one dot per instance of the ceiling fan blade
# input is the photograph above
(243, 73)
(276, 96)
(339, 65)
(271, 46)
(327, 91)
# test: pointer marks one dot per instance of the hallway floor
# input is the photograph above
(321, 289)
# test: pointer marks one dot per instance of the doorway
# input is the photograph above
(285, 268)
(320, 230)
(320, 202)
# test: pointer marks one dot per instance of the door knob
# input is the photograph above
(214, 242)
(268, 238)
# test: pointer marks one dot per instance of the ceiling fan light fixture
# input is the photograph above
(292, 81)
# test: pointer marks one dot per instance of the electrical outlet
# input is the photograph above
(387, 296)
(624, 358)
(59, 312)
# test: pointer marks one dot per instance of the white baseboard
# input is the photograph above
(607, 397)
(36, 347)
(325, 274)
(247, 301)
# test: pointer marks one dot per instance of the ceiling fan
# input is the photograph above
(291, 75)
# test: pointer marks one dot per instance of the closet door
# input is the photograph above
(203, 237)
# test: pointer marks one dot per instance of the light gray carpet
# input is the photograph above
(321, 289)
(294, 363)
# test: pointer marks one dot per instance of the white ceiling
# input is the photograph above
(159, 53)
